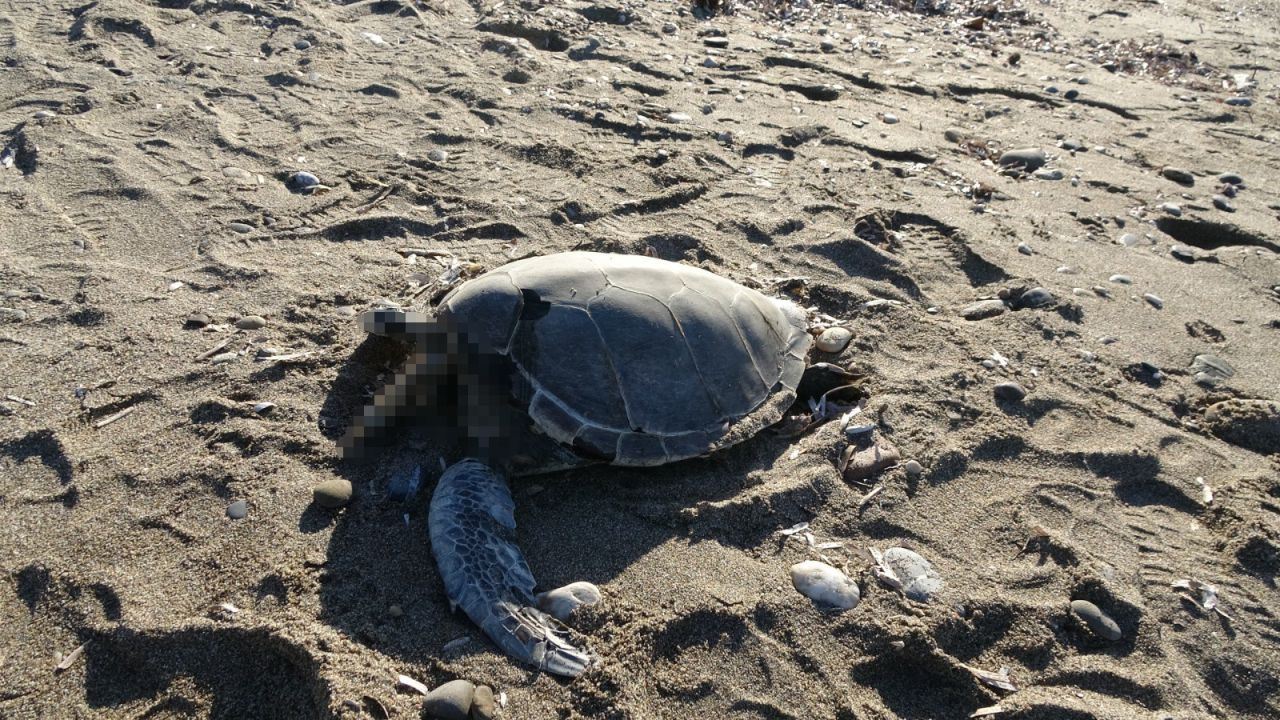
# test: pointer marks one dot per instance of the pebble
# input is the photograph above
(483, 706)
(1036, 297)
(1239, 101)
(561, 602)
(871, 460)
(1071, 94)
(1185, 254)
(1223, 204)
(303, 180)
(1249, 423)
(1024, 248)
(834, 339)
(395, 611)
(251, 322)
(236, 173)
(226, 357)
(1030, 159)
(669, 28)
(1073, 146)
(1231, 178)
(716, 41)
(263, 408)
(1154, 299)
(889, 119)
(1048, 174)
(1009, 392)
(197, 320)
(1051, 89)
(437, 155)
(332, 494)
(12, 314)
(953, 135)
(825, 585)
(1121, 279)
(1173, 209)
(44, 114)
(238, 510)
(450, 701)
(913, 468)
(983, 309)
(919, 580)
(1097, 621)
(1178, 175)
(302, 44)
(1128, 240)
(240, 227)
(1211, 370)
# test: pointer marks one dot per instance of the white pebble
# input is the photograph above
(825, 585)
(834, 339)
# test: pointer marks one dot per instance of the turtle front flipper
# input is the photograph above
(472, 525)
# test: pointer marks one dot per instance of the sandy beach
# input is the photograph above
(198, 197)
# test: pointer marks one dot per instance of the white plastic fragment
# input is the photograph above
(798, 527)
(408, 682)
(70, 659)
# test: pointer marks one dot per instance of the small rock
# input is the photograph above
(240, 227)
(870, 460)
(1073, 146)
(983, 309)
(1211, 370)
(1048, 174)
(44, 114)
(1223, 204)
(263, 408)
(450, 701)
(1173, 209)
(919, 580)
(1036, 297)
(1097, 621)
(1121, 279)
(825, 585)
(238, 510)
(1250, 423)
(679, 117)
(669, 28)
(1051, 89)
(483, 706)
(332, 494)
(302, 181)
(302, 44)
(1025, 249)
(1178, 175)
(834, 339)
(889, 119)
(1230, 178)
(1128, 239)
(1009, 392)
(1029, 159)
(716, 42)
(1183, 253)
(953, 135)
(251, 322)
(437, 155)
(395, 611)
(12, 315)
(197, 320)
(236, 173)
(1155, 300)
(913, 468)
(561, 602)
(1071, 94)
(1239, 101)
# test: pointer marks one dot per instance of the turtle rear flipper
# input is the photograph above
(472, 525)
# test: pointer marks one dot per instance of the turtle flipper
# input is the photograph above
(472, 525)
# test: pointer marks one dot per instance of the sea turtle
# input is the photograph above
(563, 360)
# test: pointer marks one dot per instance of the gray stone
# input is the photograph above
(483, 706)
(1025, 249)
(834, 339)
(1128, 239)
(333, 493)
(825, 585)
(913, 468)
(1029, 159)
(12, 315)
(1183, 253)
(561, 602)
(238, 510)
(1009, 392)
(251, 322)
(1223, 204)
(1155, 300)
(1073, 145)
(1231, 178)
(983, 309)
(450, 701)
(1173, 209)
(919, 580)
(1211, 370)
(1121, 279)
(302, 44)
(1098, 622)
(1178, 175)
(197, 319)
(1071, 94)
(1048, 174)
(889, 119)
(240, 227)
(303, 180)
(1239, 101)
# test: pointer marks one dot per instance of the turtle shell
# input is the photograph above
(633, 360)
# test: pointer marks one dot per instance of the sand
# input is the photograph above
(147, 153)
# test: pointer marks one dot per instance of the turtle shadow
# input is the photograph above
(379, 584)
